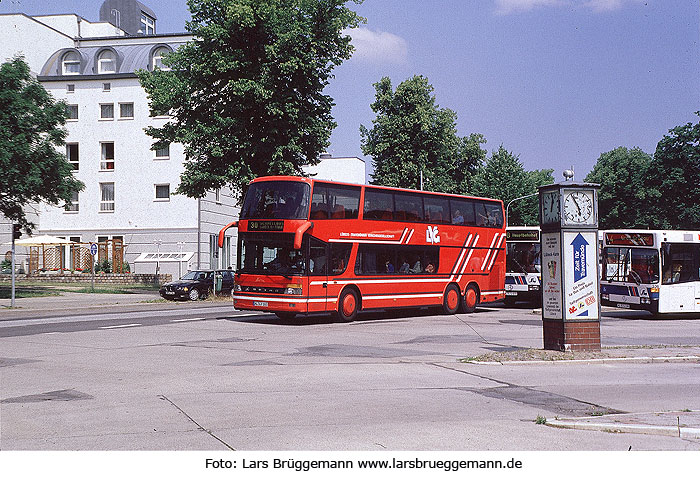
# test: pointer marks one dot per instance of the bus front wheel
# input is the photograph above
(451, 301)
(348, 305)
(469, 300)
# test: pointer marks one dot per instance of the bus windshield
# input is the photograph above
(276, 200)
(523, 257)
(631, 264)
(271, 254)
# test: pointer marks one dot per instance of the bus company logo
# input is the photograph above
(432, 235)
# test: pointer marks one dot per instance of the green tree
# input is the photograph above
(245, 96)
(411, 135)
(623, 200)
(673, 180)
(504, 177)
(32, 170)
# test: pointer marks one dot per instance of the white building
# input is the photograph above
(129, 188)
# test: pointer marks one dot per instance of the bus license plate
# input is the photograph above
(259, 303)
(622, 305)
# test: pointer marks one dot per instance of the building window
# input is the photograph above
(72, 206)
(107, 158)
(71, 112)
(70, 88)
(106, 87)
(107, 62)
(72, 155)
(107, 197)
(217, 196)
(162, 192)
(158, 55)
(106, 111)
(148, 24)
(163, 153)
(126, 110)
(71, 63)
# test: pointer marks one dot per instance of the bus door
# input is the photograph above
(680, 291)
(317, 280)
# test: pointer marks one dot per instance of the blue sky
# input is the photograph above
(557, 82)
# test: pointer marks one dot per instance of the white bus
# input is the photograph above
(523, 265)
(654, 270)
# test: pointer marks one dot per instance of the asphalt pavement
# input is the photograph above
(682, 424)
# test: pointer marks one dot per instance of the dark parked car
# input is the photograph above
(197, 285)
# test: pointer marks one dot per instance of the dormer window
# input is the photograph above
(71, 63)
(107, 62)
(158, 55)
(148, 24)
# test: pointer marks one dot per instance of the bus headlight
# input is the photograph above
(293, 290)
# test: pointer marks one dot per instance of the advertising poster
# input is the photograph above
(551, 276)
(581, 271)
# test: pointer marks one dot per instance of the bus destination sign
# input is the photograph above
(265, 225)
(523, 235)
(629, 239)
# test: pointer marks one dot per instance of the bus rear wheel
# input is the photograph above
(451, 301)
(469, 300)
(348, 305)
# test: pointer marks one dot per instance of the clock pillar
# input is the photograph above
(570, 277)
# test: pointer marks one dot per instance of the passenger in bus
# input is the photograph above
(417, 267)
(458, 219)
(673, 275)
(405, 267)
(430, 268)
(389, 266)
(281, 260)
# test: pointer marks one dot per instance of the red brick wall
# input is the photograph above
(571, 336)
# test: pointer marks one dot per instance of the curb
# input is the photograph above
(592, 361)
(673, 431)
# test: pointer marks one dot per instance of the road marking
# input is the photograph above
(120, 325)
(187, 320)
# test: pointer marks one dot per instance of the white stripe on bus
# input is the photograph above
(488, 254)
(410, 235)
(500, 242)
(466, 262)
(385, 281)
(461, 256)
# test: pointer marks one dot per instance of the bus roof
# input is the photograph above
(310, 181)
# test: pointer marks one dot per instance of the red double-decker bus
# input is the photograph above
(307, 245)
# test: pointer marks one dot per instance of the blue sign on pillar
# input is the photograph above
(579, 245)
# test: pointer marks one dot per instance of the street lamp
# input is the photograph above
(517, 198)
(158, 242)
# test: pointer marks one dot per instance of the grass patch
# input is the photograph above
(541, 420)
(103, 290)
(24, 292)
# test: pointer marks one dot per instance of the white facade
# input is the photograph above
(111, 152)
(36, 41)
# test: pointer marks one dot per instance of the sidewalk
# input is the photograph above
(76, 302)
(683, 424)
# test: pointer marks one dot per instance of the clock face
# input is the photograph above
(550, 207)
(578, 207)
